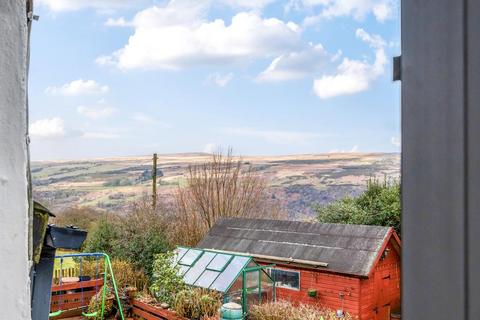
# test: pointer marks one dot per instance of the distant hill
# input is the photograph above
(297, 181)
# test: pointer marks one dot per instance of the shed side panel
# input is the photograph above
(333, 291)
(382, 289)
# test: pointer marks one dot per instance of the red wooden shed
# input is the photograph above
(353, 268)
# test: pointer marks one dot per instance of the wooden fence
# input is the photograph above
(72, 298)
(72, 301)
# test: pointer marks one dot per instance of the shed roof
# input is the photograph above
(349, 249)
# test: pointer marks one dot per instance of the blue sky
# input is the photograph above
(266, 77)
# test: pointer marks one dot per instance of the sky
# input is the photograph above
(265, 77)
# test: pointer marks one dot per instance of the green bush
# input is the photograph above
(136, 237)
(379, 205)
(167, 281)
(104, 236)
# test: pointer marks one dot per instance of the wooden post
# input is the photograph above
(154, 181)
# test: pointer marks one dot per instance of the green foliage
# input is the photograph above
(167, 281)
(197, 303)
(136, 237)
(104, 237)
(95, 304)
(379, 205)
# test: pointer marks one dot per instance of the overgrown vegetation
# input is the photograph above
(286, 310)
(197, 303)
(222, 187)
(81, 217)
(135, 237)
(379, 205)
(167, 281)
(126, 275)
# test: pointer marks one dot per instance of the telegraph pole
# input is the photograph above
(154, 181)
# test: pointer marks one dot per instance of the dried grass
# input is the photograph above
(282, 310)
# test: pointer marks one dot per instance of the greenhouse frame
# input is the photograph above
(237, 277)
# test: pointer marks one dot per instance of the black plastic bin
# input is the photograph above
(65, 238)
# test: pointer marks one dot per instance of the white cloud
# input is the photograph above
(78, 87)
(296, 65)
(179, 35)
(96, 112)
(74, 5)
(274, 136)
(382, 10)
(353, 76)
(218, 79)
(211, 148)
(396, 141)
(118, 22)
(48, 128)
(150, 120)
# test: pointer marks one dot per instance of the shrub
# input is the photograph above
(197, 303)
(286, 310)
(379, 205)
(167, 281)
(104, 237)
(95, 304)
(124, 272)
(136, 237)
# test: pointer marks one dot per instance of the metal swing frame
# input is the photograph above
(108, 269)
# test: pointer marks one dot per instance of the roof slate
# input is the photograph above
(348, 249)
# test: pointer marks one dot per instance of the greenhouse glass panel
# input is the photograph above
(190, 257)
(230, 273)
(197, 269)
(179, 252)
(219, 262)
(183, 269)
(206, 278)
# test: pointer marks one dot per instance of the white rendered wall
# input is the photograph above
(14, 203)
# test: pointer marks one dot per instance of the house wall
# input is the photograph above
(14, 203)
(381, 289)
(329, 288)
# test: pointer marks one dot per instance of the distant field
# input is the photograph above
(298, 181)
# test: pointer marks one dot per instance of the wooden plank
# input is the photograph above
(77, 285)
(73, 296)
(67, 306)
(163, 313)
(144, 314)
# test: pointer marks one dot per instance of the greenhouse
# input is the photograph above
(237, 277)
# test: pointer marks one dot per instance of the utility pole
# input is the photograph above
(154, 181)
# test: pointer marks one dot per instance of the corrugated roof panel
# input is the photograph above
(350, 249)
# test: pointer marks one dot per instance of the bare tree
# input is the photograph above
(222, 187)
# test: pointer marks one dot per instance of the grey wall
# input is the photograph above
(14, 218)
(441, 159)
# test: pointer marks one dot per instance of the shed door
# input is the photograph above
(382, 294)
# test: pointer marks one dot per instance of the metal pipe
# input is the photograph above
(274, 258)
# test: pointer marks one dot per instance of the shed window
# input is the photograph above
(286, 278)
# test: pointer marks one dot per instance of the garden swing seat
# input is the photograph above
(90, 315)
(55, 313)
